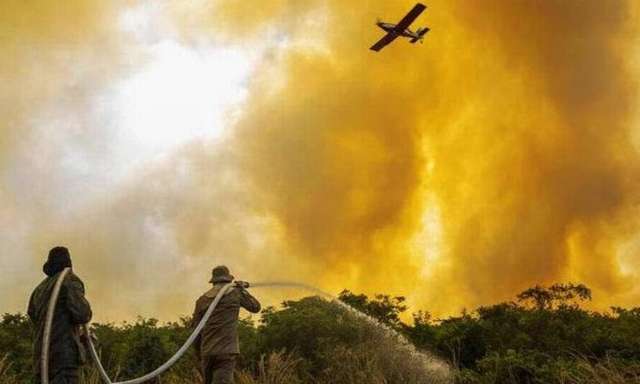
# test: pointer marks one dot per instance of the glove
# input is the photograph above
(242, 284)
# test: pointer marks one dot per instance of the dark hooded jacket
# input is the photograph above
(72, 310)
(220, 334)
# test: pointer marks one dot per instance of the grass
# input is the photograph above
(605, 371)
(277, 368)
(366, 366)
(6, 377)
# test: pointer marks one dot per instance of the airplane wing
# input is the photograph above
(410, 17)
(386, 39)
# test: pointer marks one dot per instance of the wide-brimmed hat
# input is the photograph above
(220, 274)
(58, 259)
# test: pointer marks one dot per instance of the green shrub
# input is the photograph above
(545, 336)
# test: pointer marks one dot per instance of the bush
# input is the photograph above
(16, 340)
(542, 337)
(6, 375)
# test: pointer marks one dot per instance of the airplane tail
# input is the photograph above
(420, 32)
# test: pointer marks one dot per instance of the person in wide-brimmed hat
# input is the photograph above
(217, 345)
(220, 274)
(66, 352)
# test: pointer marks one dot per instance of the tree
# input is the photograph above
(383, 308)
(16, 338)
(558, 295)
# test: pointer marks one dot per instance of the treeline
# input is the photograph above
(543, 336)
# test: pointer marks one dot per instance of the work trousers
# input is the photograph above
(218, 369)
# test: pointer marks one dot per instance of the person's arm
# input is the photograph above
(77, 304)
(248, 302)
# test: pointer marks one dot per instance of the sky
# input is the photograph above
(159, 139)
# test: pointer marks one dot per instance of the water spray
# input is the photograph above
(430, 363)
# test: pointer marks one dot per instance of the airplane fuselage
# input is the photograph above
(401, 29)
(390, 28)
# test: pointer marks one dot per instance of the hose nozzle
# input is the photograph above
(242, 284)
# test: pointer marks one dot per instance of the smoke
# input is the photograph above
(513, 121)
(548, 160)
(53, 59)
(46, 56)
(495, 156)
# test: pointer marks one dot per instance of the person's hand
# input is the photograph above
(242, 284)
(84, 337)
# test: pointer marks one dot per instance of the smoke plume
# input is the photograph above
(497, 155)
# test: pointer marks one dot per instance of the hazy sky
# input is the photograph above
(158, 139)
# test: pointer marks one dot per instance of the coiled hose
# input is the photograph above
(47, 335)
(56, 290)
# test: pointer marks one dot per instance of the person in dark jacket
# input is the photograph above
(66, 352)
(217, 345)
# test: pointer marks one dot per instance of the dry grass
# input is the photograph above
(195, 378)
(375, 362)
(368, 365)
(602, 372)
(278, 368)
(389, 360)
(353, 366)
(5, 376)
(90, 376)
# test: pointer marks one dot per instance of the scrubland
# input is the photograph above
(544, 336)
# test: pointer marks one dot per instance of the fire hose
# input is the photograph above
(44, 367)
(44, 370)
(44, 363)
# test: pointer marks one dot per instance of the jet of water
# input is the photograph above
(430, 363)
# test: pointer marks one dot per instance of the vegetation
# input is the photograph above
(543, 336)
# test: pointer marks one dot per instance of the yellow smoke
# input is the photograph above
(46, 46)
(495, 156)
(514, 119)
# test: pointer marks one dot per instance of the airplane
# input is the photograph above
(401, 29)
